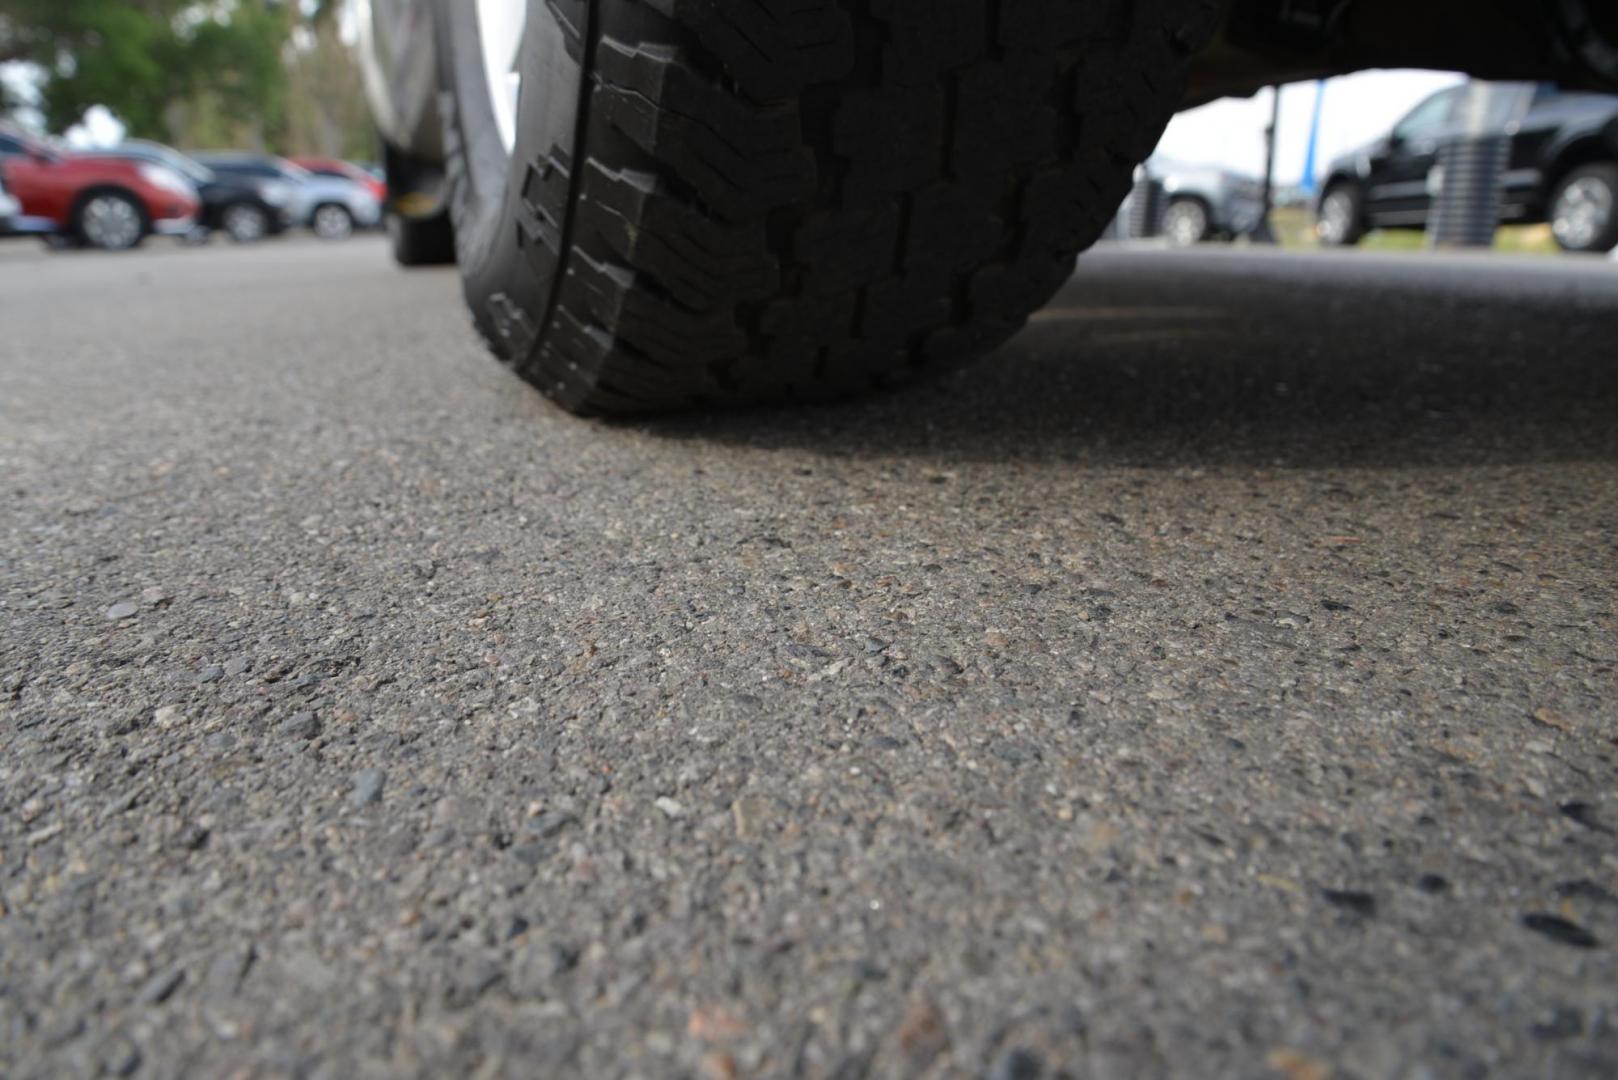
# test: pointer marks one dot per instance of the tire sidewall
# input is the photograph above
(1181, 206)
(327, 208)
(1607, 237)
(110, 193)
(508, 291)
(230, 216)
(1354, 229)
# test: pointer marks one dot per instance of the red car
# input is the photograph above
(103, 202)
(346, 170)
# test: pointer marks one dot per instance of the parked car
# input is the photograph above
(241, 209)
(683, 203)
(345, 170)
(333, 207)
(1205, 202)
(103, 202)
(1563, 169)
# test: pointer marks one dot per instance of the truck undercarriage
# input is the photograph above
(1263, 42)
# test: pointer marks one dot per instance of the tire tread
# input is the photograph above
(808, 198)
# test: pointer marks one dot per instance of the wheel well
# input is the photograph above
(331, 204)
(1590, 150)
(1333, 183)
(90, 193)
(1336, 180)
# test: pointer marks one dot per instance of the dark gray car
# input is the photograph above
(1205, 202)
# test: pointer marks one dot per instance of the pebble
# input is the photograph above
(122, 610)
(302, 726)
(48, 833)
(368, 785)
(549, 823)
(168, 716)
(1560, 930)
(160, 987)
(191, 838)
(237, 665)
(670, 807)
(1360, 903)
(154, 596)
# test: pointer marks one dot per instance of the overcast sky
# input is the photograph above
(1357, 108)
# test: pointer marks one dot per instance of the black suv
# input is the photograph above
(1563, 169)
(234, 206)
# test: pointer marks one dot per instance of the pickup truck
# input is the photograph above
(661, 204)
(1561, 168)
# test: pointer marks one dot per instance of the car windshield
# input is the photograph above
(1429, 117)
(296, 173)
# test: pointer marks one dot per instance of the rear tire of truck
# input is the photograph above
(699, 202)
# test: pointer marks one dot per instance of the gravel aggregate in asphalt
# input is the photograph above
(1219, 681)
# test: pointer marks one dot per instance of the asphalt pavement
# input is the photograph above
(1220, 681)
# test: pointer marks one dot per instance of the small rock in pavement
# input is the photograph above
(368, 785)
(160, 987)
(300, 726)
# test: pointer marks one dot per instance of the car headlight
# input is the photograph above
(166, 179)
(276, 192)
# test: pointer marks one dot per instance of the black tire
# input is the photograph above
(245, 222)
(87, 228)
(1187, 222)
(332, 222)
(425, 241)
(1588, 227)
(726, 201)
(1348, 230)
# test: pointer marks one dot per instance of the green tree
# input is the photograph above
(145, 58)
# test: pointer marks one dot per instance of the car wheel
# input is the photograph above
(110, 221)
(1341, 219)
(245, 223)
(1584, 209)
(664, 203)
(1185, 222)
(332, 222)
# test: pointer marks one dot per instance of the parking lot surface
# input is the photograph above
(1222, 680)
